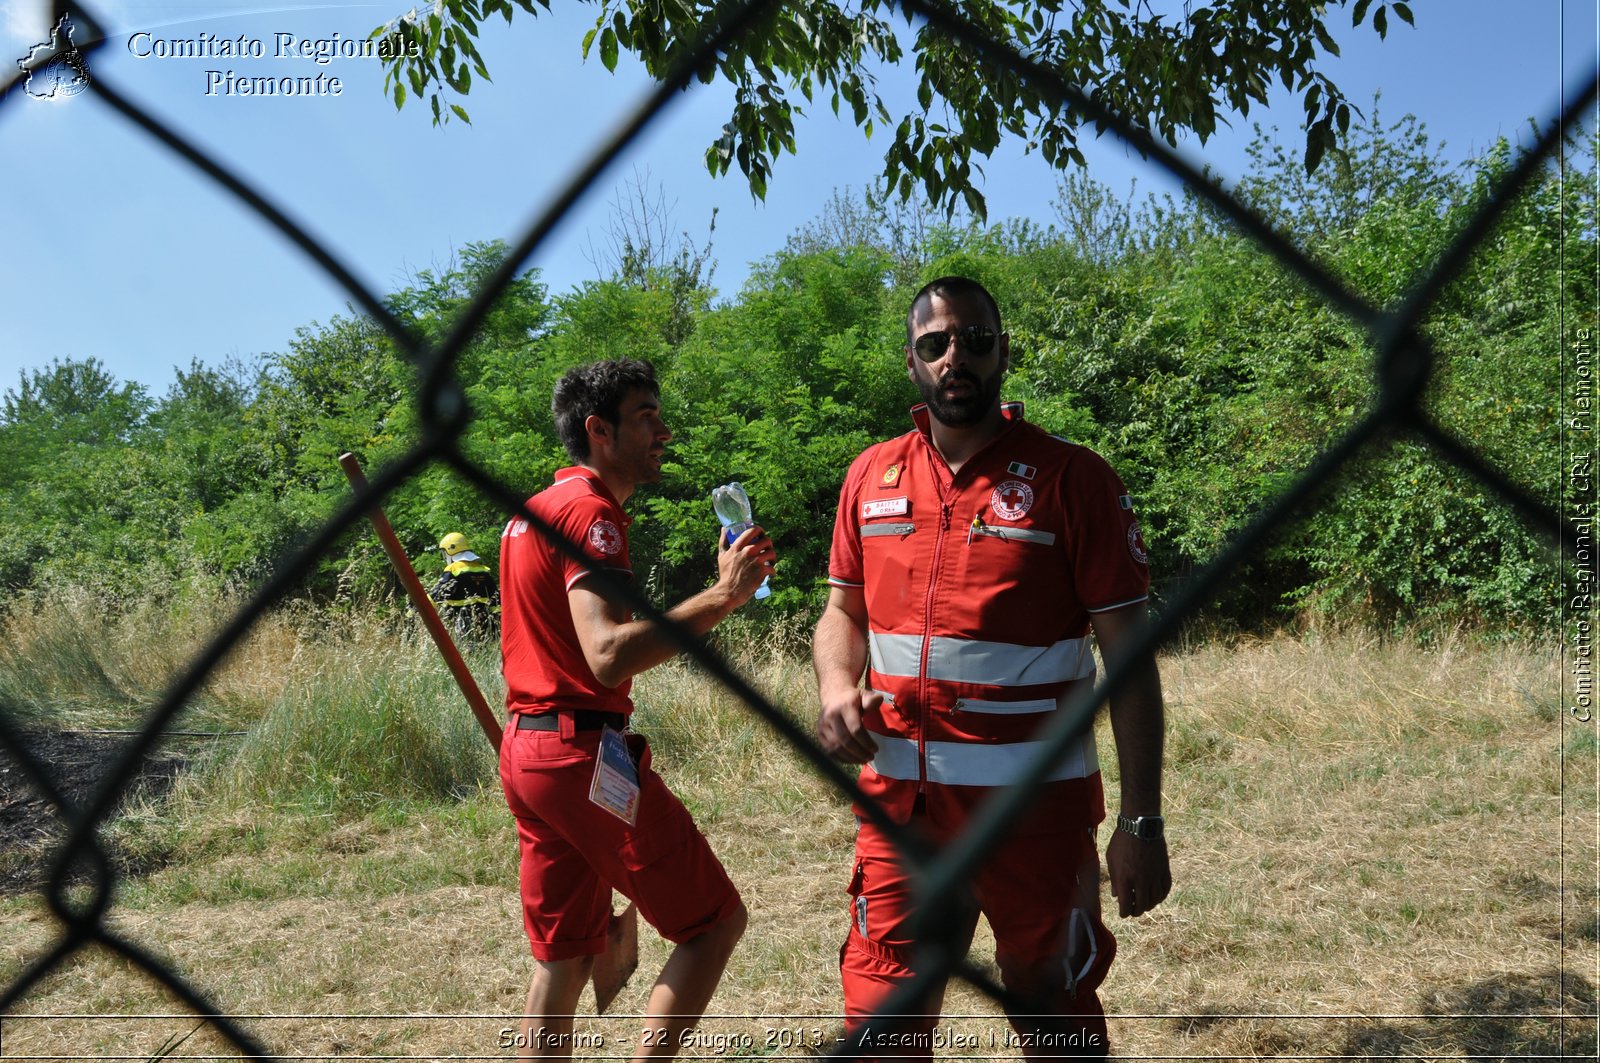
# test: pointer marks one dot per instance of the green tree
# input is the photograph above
(68, 404)
(498, 369)
(1219, 376)
(780, 390)
(1165, 73)
(201, 432)
(63, 488)
(1206, 372)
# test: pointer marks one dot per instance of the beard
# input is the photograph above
(959, 411)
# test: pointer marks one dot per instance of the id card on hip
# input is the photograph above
(616, 778)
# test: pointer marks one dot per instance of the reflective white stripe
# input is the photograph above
(1028, 535)
(973, 764)
(896, 528)
(1000, 664)
(1005, 707)
(894, 654)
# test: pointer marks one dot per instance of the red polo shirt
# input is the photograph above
(541, 657)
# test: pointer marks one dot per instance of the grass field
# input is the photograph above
(1379, 851)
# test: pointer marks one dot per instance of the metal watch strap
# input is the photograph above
(1145, 828)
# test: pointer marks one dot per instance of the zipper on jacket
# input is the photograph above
(947, 499)
(924, 715)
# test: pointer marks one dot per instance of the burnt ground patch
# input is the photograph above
(31, 826)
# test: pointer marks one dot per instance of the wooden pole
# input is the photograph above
(420, 601)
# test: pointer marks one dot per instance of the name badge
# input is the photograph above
(615, 787)
(885, 507)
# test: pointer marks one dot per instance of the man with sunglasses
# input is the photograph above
(972, 558)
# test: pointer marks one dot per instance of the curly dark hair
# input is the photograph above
(945, 288)
(597, 388)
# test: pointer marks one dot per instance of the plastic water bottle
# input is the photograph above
(733, 510)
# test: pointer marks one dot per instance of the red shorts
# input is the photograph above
(1040, 892)
(574, 853)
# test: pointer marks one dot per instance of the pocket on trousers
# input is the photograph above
(540, 750)
(527, 764)
(858, 903)
(654, 841)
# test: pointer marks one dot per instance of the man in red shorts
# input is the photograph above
(972, 557)
(569, 653)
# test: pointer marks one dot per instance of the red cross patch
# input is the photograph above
(1011, 500)
(1136, 544)
(604, 537)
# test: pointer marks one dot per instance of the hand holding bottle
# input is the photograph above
(733, 511)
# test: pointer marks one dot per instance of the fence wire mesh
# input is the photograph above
(1402, 369)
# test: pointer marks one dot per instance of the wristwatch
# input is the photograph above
(1145, 828)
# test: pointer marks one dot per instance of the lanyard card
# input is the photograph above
(616, 779)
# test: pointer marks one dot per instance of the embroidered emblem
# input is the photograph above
(1011, 500)
(1124, 501)
(604, 537)
(886, 507)
(1136, 544)
(891, 475)
(1016, 468)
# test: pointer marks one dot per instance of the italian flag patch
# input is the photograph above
(1016, 468)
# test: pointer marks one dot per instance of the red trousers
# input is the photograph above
(1040, 892)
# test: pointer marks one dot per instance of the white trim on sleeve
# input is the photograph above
(1120, 605)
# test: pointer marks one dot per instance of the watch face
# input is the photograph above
(1146, 828)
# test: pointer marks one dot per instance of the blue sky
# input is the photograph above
(118, 250)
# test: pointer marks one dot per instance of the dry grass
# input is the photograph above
(1366, 828)
(1374, 849)
(76, 658)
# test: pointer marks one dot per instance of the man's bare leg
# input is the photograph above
(552, 998)
(685, 986)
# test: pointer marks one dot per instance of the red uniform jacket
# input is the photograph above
(979, 588)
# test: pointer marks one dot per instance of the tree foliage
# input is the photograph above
(1203, 370)
(1166, 73)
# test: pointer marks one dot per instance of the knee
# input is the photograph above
(721, 937)
(562, 980)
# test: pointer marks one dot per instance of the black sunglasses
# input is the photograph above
(976, 340)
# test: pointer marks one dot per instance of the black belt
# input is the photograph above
(582, 720)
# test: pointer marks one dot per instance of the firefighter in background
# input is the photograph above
(467, 596)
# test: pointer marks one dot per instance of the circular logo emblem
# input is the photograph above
(1011, 500)
(67, 74)
(1136, 544)
(604, 537)
(891, 474)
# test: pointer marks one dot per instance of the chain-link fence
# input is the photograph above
(1403, 367)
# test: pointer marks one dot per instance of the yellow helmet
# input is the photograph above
(454, 543)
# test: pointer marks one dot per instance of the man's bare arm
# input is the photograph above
(839, 655)
(617, 648)
(1140, 875)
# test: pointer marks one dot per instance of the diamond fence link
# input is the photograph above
(1402, 367)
